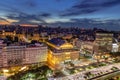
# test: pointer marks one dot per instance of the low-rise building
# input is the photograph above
(61, 51)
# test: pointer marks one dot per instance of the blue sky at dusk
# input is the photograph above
(67, 13)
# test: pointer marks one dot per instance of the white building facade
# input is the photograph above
(22, 55)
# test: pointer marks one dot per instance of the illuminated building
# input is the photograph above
(13, 55)
(13, 34)
(21, 36)
(1, 58)
(115, 47)
(99, 47)
(22, 55)
(104, 38)
(60, 51)
(67, 36)
(36, 54)
(4, 33)
(78, 43)
(1, 55)
(103, 44)
(87, 47)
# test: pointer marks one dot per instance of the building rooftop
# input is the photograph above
(63, 50)
(57, 41)
(108, 32)
(36, 45)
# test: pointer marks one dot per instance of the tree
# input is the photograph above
(33, 41)
(16, 39)
(9, 38)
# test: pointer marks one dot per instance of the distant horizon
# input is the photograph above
(37, 25)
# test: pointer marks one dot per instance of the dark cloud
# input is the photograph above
(22, 17)
(16, 14)
(3, 19)
(25, 18)
(45, 15)
(89, 6)
(79, 12)
(113, 24)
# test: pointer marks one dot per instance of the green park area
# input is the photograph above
(39, 73)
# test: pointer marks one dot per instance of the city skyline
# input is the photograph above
(67, 13)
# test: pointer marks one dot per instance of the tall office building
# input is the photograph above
(104, 41)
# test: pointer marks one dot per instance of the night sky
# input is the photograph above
(67, 13)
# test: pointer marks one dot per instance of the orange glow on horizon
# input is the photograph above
(12, 21)
(4, 23)
(28, 25)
